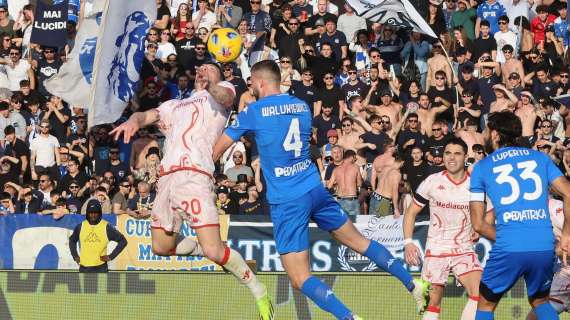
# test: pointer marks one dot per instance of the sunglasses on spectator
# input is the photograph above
(439, 78)
(293, 24)
(14, 53)
(329, 78)
(171, 60)
(285, 61)
(307, 74)
(44, 127)
(153, 34)
(563, 76)
(152, 46)
(547, 126)
(436, 129)
(345, 125)
(126, 185)
(507, 51)
(44, 181)
(503, 22)
(114, 152)
(385, 122)
(375, 56)
(310, 51)
(352, 72)
(165, 33)
(73, 187)
(327, 107)
(413, 120)
(479, 152)
(200, 48)
(49, 51)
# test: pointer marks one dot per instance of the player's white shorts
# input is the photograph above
(436, 269)
(560, 289)
(187, 195)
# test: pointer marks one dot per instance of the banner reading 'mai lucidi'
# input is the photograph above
(50, 25)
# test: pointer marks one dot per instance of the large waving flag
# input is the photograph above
(119, 57)
(73, 81)
(397, 13)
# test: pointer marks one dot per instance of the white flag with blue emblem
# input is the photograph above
(73, 81)
(397, 13)
(119, 57)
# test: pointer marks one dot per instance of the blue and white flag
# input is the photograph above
(73, 81)
(119, 57)
(396, 13)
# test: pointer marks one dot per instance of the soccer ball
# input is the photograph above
(225, 44)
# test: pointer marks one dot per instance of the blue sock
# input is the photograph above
(484, 315)
(323, 296)
(545, 311)
(386, 261)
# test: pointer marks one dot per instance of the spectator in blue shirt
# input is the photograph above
(489, 10)
(561, 25)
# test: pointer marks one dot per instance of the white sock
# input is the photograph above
(470, 309)
(234, 263)
(188, 247)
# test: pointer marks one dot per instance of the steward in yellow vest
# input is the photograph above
(93, 236)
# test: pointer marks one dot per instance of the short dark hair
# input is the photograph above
(9, 130)
(5, 196)
(458, 142)
(504, 18)
(508, 127)
(349, 154)
(270, 69)
(485, 23)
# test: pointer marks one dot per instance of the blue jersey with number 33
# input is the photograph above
(517, 181)
(282, 126)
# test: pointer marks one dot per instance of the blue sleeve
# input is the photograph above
(552, 171)
(502, 11)
(477, 186)
(480, 12)
(245, 122)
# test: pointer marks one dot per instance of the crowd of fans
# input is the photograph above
(385, 100)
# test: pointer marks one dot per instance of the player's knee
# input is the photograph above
(214, 253)
(162, 250)
(297, 281)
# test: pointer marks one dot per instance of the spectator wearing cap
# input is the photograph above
(44, 152)
(485, 42)
(17, 69)
(58, 116)
(354, 87)
(490, 10)
(331, 94)
(120, 199)
(45, 68)
(539, 24)
(335, 38)
(14, 119)
(322, 123)
(464, 16)
(17, 152)
(560, 25)
(305, 90)
(93, 236)
(326, 150)
(436, 163)
(504, 36)
(239, 168)
(224, 202)
(240, 192)
(514, 84)
(252, 204)
(350, 23)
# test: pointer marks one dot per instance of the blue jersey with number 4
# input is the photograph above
(283, 126)
(517, 181)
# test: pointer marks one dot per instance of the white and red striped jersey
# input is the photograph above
(191, 128)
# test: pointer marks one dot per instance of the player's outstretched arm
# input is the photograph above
(223, 143)
(562, 187)
(411, 252)
(480, 224)
(136, 121)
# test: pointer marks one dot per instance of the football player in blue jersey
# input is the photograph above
(517, 181)
(282, 127)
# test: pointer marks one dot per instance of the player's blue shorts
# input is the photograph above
(291, 219)
(503, 269)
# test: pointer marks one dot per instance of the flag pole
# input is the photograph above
(99, 48)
